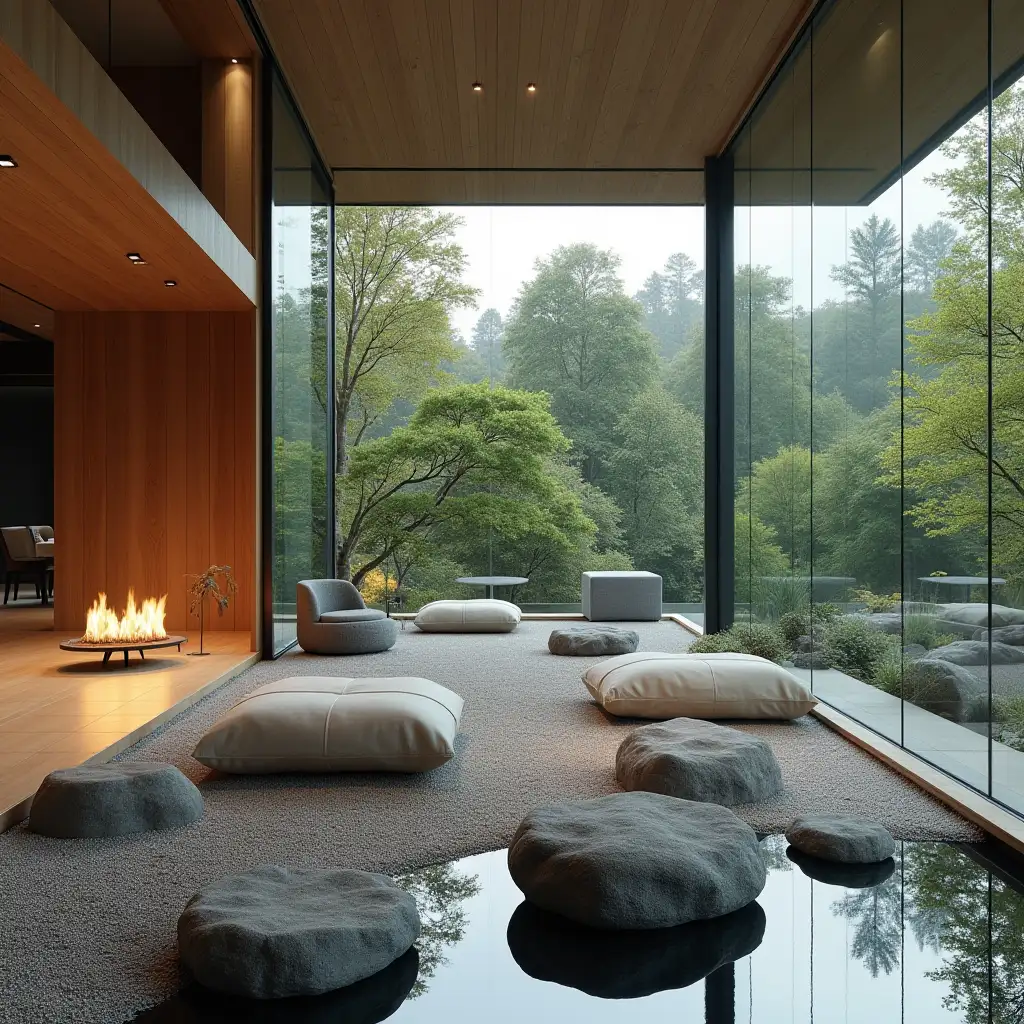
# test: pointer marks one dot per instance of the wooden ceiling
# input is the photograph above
(642, 84)
(85, 194)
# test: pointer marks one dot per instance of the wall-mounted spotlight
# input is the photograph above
(531, 87)
(234, 60)
(477, 87)
(7, 161)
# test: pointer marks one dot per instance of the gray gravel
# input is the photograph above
(88, 925)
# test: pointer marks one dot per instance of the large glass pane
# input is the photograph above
(520, 396)
(299, 248)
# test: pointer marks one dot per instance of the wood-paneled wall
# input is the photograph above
(155, 459)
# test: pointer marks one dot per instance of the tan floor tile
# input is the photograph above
(85, 744)
(44, 720)
(30, 742)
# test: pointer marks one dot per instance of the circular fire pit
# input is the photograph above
(113, 646)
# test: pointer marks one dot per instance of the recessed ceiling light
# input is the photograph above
(37, 325)
(531, 87)
(136, 259)
(234, 60)
(477, 87)
(7, 161)
(170, 284)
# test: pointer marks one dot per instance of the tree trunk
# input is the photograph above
(344, 560)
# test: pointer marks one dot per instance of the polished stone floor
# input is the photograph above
(941, 939)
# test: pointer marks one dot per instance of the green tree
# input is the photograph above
(398, 275)
(471, 457)
(673, 301)
(655, 475)
(487, 335)
(575, 334)
(758, 555)
(778, 492)
(928, 247)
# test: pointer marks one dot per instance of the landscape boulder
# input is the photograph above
(593, 641)
(697, 760)
(274, 932)
(636, 861)
(978, 652)
(1012, 635)
(846, 840)
(944, 689)
(811, 659)
(849, 876)
(116, 799)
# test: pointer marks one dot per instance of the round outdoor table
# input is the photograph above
(490, 582)
(964, 581)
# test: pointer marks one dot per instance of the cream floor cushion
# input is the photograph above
(322, 724)
(654, 685)
(484, 615)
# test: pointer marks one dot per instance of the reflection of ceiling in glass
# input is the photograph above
(835, 129)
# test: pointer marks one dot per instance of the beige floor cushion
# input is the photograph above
(319, 724)
(484, 615)
(654, 685)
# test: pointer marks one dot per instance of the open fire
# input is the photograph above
(136, 625)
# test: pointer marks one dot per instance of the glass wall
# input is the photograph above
(524, 399)
(298, 371)
(879, 386)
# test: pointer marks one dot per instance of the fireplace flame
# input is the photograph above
(138, 624)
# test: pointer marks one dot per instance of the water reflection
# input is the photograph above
(935, 936)
(629, 964)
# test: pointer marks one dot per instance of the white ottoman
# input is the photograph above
(621, 596)
(483, 615)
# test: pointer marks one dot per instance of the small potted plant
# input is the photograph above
(204, 585)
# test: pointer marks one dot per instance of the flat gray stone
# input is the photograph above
(636, 860)
(629, 964)
(697, 760)
(942, 688)
(846, 840)
(274, 932)
(593, 641)
(914, 650)
(883, 622)
(978, 652)
(115, 799)
(1012, 635)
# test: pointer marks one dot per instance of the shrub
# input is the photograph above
(774, 597)
(744, 638)
(878, 602)
(888, 674)
(923, 630)
(1009, 712)
(853, 647)
(793, 625)
(826, 612)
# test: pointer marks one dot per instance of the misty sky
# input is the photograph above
(502, 243)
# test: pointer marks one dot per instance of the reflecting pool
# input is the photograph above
(934, 936)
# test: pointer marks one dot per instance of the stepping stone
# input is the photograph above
(115, 799)
(274, 932)
(846, 840)
(636, 860)
(697, 760)
(593, 641)
(849, 876)
(629, 964)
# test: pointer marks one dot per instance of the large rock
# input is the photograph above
(116, 799)
(1012, 635)
(883, 622)
(369, 1001)
(811, 659)
(274, 932)
(636, 861)
(698, 760)
(942, 688)
(593, 641)
(978, 652)
(629, 964)
(978, 613)
(846, 840)
(849, 876)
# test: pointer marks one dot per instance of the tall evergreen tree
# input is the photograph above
(487, 335)
(928, 247)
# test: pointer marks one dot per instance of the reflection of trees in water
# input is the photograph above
(439, 892)
(879, 914)
(945, 882)
(773, 849)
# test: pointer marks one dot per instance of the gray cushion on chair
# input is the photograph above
(353, 615)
